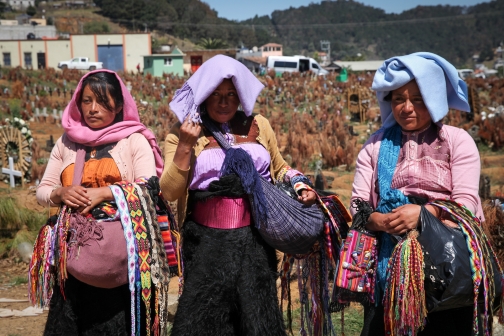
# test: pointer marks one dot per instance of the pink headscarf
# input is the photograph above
(78, 131)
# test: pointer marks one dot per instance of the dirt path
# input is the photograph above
(13, 286)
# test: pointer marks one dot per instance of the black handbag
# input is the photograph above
(448, 277)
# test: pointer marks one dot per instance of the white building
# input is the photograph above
(270, 49)
(19, 4)
(118, 52)
(8, 23)
(20, 32)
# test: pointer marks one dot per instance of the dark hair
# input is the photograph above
(102, 83)
(388, 97)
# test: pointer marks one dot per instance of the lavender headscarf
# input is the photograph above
(195, 91)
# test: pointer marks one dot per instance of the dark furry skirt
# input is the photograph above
(88, 311)
(230, 284)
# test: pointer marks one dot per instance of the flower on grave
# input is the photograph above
(28, 133)
(16, 119)
(30, 140)
(22, 122)
(7, 120)
(24, 130)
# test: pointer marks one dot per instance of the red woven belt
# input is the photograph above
(222, 213)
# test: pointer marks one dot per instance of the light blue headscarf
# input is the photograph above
(437, 79)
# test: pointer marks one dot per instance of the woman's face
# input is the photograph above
(409, 109)
(95, 114)
(222, 104)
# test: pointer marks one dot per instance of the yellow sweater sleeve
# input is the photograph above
(174, 180)
(268, 139)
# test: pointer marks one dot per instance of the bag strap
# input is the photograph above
(217, 134)
(79, 165)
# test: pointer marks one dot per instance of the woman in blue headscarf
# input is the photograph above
(415, 157)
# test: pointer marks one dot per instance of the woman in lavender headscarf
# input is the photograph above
(229, 270)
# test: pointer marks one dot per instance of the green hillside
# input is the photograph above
(454, 32)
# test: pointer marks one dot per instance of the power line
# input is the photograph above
(330, 25)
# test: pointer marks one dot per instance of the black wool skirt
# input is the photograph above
(89, 311)
(229, 284)
(451, 322)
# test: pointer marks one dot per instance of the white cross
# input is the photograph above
(11, 172)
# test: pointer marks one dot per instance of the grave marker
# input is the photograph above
(11, 172)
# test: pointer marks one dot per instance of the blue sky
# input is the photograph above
(241, 10)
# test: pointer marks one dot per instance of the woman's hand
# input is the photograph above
(402, 219)
(96, 196)
(189, 132)
(397, 222)
(307, 197)
(377, 221)
(73, 196)
(188, 136)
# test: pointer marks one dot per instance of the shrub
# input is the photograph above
(96, 27)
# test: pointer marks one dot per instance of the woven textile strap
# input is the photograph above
(155, 267)
(327, 212)
(150, 210)
(143, 245)
(164, 226)
(122, 208)
(161, 292)
(157, 276)
(389, 199)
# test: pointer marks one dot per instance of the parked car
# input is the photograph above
(294, 63)
(80, 63)
(465, 73)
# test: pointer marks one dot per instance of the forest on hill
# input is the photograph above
(455, 32)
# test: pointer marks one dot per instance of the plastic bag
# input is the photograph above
(448, 279)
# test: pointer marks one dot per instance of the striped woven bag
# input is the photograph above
(287, 225)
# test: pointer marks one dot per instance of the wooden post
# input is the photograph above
(20, 155)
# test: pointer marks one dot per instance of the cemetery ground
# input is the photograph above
(303, 111)
(14, 267)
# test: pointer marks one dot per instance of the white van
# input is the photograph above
(294, 63)
(465, 73)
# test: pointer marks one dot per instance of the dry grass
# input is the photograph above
(493, 226)
(13, 217)
(496, 175)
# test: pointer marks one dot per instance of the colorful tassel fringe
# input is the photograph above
(48, 263)
(313, 270)
(404, 300)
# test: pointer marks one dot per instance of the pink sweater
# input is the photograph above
(133, 156)
(431, 165)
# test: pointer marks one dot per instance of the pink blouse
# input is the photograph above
(438, 162)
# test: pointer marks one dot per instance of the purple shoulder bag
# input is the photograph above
(97, 250)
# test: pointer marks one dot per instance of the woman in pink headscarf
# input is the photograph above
(102, 118)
